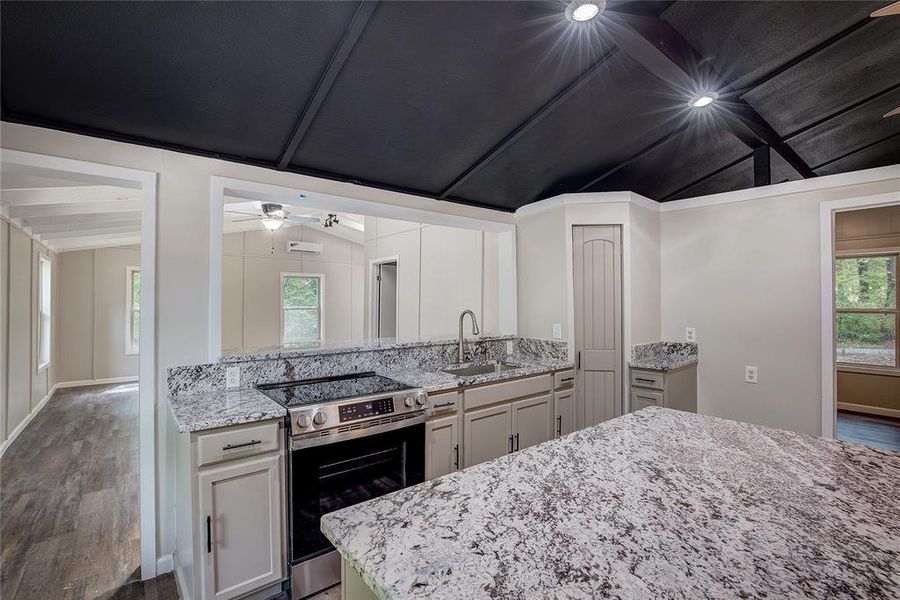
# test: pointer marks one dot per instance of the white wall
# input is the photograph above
(541, 266)
(93, 314)
(251, 273)
(23, 386)
(441, 271)
(182, 291)
(746, 275)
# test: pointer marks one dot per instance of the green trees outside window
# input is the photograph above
(866, 305)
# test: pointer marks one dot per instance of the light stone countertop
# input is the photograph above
(208, 410)
(663, 356)
(654, 504)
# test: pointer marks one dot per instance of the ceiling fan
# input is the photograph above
(890, 9)
(274, 216)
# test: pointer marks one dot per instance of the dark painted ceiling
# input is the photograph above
(496, 104)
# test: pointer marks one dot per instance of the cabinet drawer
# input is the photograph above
(236, 443)
(443, 403)
(564, 379)
(644, 398)
(508, 390)
(647, 379)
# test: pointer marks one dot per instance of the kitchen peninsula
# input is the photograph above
(656, 504)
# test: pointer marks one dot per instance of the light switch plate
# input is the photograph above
(690, 334)
(557, 331)
(232, 377)
(751, 375)
(509, 347)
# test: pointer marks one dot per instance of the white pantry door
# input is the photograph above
(598, 322)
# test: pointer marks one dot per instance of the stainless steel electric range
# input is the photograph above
(351, 438)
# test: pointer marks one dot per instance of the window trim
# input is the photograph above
(41, 366)
(130, 348)
(321, 278)
(863, 367)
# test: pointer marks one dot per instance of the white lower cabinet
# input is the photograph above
(532, 421)
(487, 433)
(442, 446)
(240, 509)
(564, 412)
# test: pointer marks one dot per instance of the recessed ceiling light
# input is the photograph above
(703, 100)
(584, 10)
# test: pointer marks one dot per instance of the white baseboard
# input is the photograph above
(871, 410)
(21, 426)
(164, 564)
(183, 592)
(84, 382)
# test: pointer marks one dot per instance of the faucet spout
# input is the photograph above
(462, 317)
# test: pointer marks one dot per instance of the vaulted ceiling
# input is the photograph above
(497, 104)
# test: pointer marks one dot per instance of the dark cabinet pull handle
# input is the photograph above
(578, 361)
(517, 442)
(510, 445)
(559, 426)
(456, 459)
(566, 379)
(244, 445)
(642, 379)
(208, 534)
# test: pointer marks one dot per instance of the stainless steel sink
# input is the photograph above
(481, 368)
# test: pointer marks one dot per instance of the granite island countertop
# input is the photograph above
(219, 408)
(654, 504)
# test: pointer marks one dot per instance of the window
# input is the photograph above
(132, 310)
(301, 308)
(44, 310)
(866, 306)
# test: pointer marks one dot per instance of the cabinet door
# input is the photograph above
(487, 434)
(241, 525)
(564, 413)
(532, 421)
(644, 398)
(441, 446)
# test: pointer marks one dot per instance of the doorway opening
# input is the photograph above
(385, 305)
(86, 232)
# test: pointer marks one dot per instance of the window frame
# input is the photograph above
(863, 367)
(131, 349)
(281, 308)
(42, 365)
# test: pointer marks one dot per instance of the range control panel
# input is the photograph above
(369, 408)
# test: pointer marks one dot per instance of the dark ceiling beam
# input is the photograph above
(659, 48)
(526, 125)
(706, 177)
(855, 150)
(354, 31)
(594, 181)
(762, 166)
(840, 112)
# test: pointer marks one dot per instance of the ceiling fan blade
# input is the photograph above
(301, 219)
(240, 212)
(243, 220)
(892, 113)
(891, 9)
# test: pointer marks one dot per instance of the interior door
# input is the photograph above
(532, 421)
(240, 504)
(598, 322)
(487, 434)
(386, 278)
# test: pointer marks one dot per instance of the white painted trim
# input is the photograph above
(871, 410)
(321, 278)
(129, 298)
(373, 313)
(24, 423)
(164, 564)
(789, 187)
(826, 294)
(146, 182)
(103, 381)
(589, 198)
(42, 366)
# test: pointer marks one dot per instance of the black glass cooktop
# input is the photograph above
(330, 389)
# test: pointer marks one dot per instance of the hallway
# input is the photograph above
(69, 512)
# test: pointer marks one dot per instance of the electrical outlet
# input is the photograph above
(557, 331)
(751, 375)
(690, 334)
(232, 377)
(509, 347)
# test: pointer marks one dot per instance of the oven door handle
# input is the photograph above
(299, 442)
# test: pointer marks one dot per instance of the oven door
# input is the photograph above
(332, 476)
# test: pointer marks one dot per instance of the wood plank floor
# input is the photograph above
(870, 430)
(69, 520)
